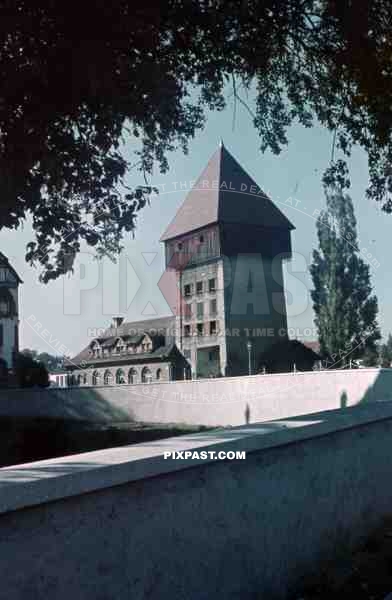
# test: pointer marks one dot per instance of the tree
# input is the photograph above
(79, 79)
(30, 372)
(51, 362)
(345, 309)
(386, 353)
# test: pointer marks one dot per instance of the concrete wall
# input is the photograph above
(226, 401)
(125, 523)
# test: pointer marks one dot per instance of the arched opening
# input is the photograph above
(96, 378)
(146, 375)
(108, 378)
(78, 379)
(159, 374)
(132, 376)
(120, 376)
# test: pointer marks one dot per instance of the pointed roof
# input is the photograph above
(225, 193)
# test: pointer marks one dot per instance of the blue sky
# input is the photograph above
(130, 287)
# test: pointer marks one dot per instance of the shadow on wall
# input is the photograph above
(381, 389)
(343, 399)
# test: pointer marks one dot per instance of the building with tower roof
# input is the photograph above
(9, 313)
(226, 246)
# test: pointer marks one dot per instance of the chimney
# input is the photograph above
(116, 322)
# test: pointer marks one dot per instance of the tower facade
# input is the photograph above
(227, 244)
(9, 312)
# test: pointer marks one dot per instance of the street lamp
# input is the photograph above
(249, 345)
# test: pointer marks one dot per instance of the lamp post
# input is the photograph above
(249, 346)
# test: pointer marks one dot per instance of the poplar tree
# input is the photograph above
(343, 300)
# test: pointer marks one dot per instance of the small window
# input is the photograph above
(199, 287)
(212, 327)
(201, 239)
(187, 331)
(187, 290)
(213, 308)
(188, 311)
(200, 310)
(200, 329)
(179, 246)
(158, 374)
(211, 285)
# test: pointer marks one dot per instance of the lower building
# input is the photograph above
(127, 353)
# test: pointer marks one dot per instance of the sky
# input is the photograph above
(73, 309)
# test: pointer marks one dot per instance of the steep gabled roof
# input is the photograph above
(225, 193)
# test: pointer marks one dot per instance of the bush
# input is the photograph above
(30, 372)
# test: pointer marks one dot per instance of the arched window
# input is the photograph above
(96, 378)
(158, 374)
(84, 378)
(132, 376)
(78, 379)
(146, 375)
(120, 376)
(108, 378)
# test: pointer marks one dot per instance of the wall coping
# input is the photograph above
(31, 484)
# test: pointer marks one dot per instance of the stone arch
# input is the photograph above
(120, 376)
(108, 378)
(132, 375)
(146, 375)
(96, 378)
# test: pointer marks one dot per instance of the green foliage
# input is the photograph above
(386, 353)
(30, 372)
(81, 78)
(51, 362)
(345, 309)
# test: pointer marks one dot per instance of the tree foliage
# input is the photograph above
(345, 308)
(30, 372)
(386, 353)
(78, 79)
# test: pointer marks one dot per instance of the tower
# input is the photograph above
(227, 244)
(9, 312)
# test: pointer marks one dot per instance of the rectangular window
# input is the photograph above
(187, 331)
(200, 310)
(188, 311)
(188, 290)
(213, 328)
(199, 287)
(211, 285)
(200, 329)
(213, 307)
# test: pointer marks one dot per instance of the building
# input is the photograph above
(138, 352)
(226, 246)
(9, 313)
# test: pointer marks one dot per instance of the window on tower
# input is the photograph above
(213, 329)
(213, 307)
(200, 310)
(211, 285)
(187, 331)
(200, 329)
(199, 287)
(187, 290)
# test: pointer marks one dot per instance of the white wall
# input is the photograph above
(226, 401)
(125, 523)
